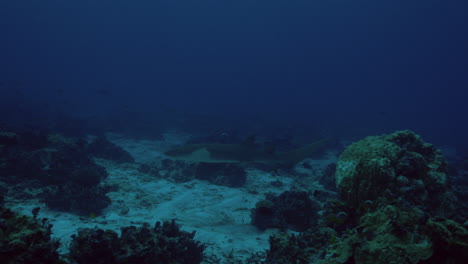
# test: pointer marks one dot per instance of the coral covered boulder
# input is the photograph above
(394, 167)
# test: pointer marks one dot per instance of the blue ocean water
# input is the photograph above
(335, 68)
(112, 113)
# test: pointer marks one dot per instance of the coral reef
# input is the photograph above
(305, 248)
(60, 168)
(459, 179)
(395, 200)
(164, 243)
(450, 241)
(396, 167)
(395, 235)
(388, 235)
(24, 239)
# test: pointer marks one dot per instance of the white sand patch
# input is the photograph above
(220, 215)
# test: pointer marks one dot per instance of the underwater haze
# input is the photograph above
(234, 131)
(335, 68)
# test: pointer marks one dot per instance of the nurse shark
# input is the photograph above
(243, 153)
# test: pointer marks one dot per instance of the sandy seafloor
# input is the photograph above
(220, 215)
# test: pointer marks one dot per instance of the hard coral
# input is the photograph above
(24, 240)
(394, 199)
(304, 248)
(164, 243)
(401, 236)
(399, 166)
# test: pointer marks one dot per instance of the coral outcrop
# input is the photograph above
(24, 239)
(60, 170)
(163, 243)
(395, 167)
(395, 207)
(305, 248)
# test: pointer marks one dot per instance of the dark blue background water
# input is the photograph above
(338, 67)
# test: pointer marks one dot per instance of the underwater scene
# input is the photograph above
(234, 132)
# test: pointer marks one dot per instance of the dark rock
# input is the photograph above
(75, 198)
(33, 140)
(277, 184)
(8, 138)
(306, 165)
(176, 171)
(145, 168)
(292, 210)
(168, 164)
(88, 176)
(226, 174)
(103, 148)
(56, 166)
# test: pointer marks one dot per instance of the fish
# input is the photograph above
(243, 153)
